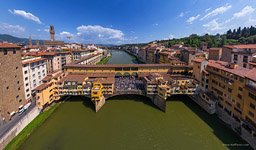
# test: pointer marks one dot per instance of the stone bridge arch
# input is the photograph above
(155, 99)
(126, 74)
(135, 74)
(118, 74)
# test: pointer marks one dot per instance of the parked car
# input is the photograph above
(21, 111)
(12, 114)
(27, 106)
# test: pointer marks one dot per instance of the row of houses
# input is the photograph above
(243, 55)
(228, 90)
(25, 68)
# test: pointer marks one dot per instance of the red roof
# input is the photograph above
(198, 60)
(244, 46)
(8, 45)
(215, 49)
(32, 60)
(47, 53)
(251, 74)
(240, 71)
(42, 87)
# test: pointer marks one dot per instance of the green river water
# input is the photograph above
(131, 122)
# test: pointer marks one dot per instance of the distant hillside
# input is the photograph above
(247, 35)
(13, 39)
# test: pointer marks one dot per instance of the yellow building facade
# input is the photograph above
(235, 89)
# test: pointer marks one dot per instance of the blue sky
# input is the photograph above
(123, 21)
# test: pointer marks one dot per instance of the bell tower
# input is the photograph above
(52, 33)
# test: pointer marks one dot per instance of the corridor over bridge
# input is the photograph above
(131, 69)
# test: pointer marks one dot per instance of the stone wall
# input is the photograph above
(236, 126)
(203, 104)
(11, 82)
(11, 134)
(158, 101)
(99, 104)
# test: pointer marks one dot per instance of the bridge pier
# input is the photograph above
(99, 104)
(158, 101)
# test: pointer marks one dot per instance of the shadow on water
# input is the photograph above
(86, 101)
(137, 98)
(222, 131)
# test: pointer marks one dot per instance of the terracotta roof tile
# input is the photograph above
(42, 87)
(251, 74)
(32, 60)
(243, 46)
(198, 60)
(240, 71)
(8, 45)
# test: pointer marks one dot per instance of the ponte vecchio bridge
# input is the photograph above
(100, 82)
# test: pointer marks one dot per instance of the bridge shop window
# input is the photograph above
(118, 69)
(134, 69)
(126, 68)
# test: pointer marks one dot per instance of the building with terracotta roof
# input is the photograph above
(215, 53)
(164, 85)
(48, 92)
(78, 54)
(235, 87)
(11, 80)
(239, 54)
(199, 65)
(187, 55)
(142, 54)
(252, 64)
(34, 70)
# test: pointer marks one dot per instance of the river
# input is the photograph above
(120, 57)
(131, 122)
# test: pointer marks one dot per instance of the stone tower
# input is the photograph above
(30, 41)
(52, 33)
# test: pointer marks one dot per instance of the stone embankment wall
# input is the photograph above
(202, 104)
(236, 126)
(227, 119)
(19, 127)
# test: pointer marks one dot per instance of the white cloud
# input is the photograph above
(9, 29)
(208, 9)
(192, 19)
(155, 24)
(244, 12)
(66, 34)
(181, 14)
(26, 15)
(169, 37)
(47, 30)
(213, 25)
(217, 11)
(95, 30)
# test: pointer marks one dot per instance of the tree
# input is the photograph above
(223, 41)
(238, 33)
(229, 34)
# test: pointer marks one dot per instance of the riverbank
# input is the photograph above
(135, 58)
(104, 60)
(24, 134)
